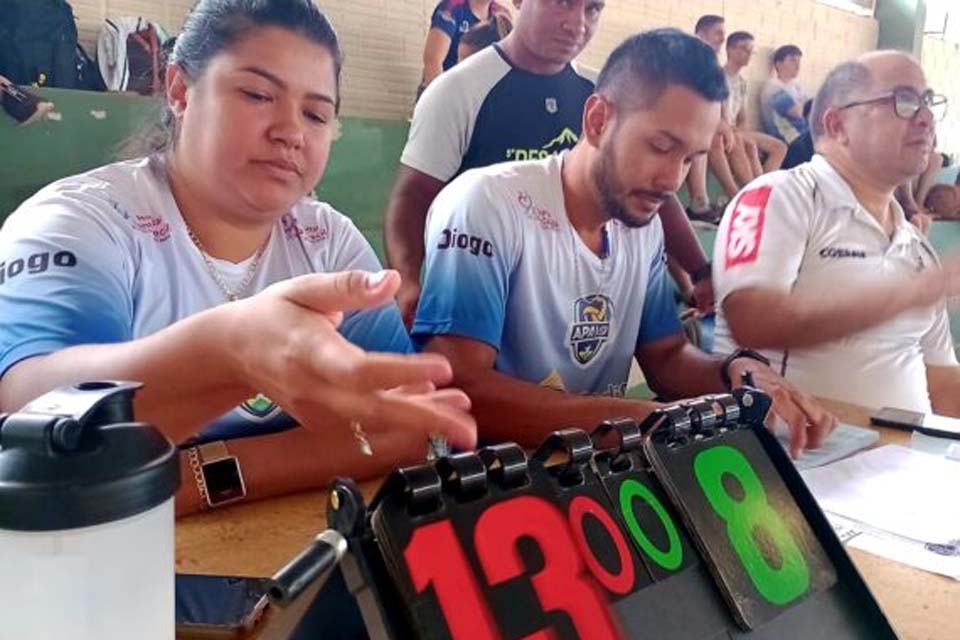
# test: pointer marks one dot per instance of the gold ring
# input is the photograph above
(361, 437)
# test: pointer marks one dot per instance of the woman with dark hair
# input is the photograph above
(450, 20)
(206, 272)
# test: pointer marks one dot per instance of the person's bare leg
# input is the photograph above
(775, 150)
(717, 158)
(739, 163)
(697, 185)
(753, 156)
(929, 177)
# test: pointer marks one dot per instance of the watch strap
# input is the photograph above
(739, 353)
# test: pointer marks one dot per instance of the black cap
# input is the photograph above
(75, 458)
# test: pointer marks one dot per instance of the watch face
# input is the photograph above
(224, 481)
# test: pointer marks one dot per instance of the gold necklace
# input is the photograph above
(215, 272)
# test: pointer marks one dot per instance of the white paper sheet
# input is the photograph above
(916, 554)
(893, 489)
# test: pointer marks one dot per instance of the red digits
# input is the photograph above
(563, 584)
(621, 583)
(435, 557)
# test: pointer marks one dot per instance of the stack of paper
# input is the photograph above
(895, 502)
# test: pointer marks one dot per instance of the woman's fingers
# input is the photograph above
(341, 291)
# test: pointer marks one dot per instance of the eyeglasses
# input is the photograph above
(907, 103)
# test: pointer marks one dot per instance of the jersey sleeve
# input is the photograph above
(440, 130)
(659, 319)
(65, 278)
(762, 237)
(782, 102)
(445, 115)
(443, 20)
(471, 249)
(379, 329)
(937, 343)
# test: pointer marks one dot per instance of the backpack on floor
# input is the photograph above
(129, 51)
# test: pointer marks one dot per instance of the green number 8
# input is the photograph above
(778, 585)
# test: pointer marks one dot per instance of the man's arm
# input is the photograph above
(682, 246)
(762, 317)
(676, 369)
(510, 409)
(413, 193)
(434, 51)
(943, 384)
(679, 238)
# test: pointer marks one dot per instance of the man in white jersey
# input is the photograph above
(521, 99)
(544, 279)
(818, 266)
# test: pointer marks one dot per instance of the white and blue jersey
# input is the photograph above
(105, 257)
(504, 266)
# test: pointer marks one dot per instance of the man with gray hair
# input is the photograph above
(817, 266)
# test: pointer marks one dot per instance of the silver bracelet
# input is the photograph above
(193, 456)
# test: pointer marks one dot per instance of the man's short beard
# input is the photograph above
(607, 184)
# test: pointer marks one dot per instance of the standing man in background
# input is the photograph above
(520, 99)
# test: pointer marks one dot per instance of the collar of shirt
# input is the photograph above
(837, 195)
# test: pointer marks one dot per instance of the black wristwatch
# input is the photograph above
(703, 273)
(739, 353)
(218, 475)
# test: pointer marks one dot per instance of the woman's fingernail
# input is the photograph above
(374, 280)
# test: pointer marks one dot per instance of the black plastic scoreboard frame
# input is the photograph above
(694, 525)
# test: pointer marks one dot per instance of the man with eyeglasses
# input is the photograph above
(817, 266)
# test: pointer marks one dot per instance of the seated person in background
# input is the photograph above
(545, 279)
(943, 201)
(920, 186)
(480, 36)
(22, 105)
(521, 98)
(801, 149)
(818, 267)
(710, 29)
(781, 103)
(450, 20)
(202, 271)
(752, 144)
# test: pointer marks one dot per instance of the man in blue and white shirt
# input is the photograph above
(544, 279)
(521, 99)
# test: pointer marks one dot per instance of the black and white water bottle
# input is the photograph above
(86, 519)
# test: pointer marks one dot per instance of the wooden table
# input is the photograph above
(258, 538)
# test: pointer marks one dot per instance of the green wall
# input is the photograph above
(93, 126)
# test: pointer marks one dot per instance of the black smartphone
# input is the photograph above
(218, 606)
(925, 423)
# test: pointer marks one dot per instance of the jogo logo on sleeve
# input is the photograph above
(35, 263)
(452, 239)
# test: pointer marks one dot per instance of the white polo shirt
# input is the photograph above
(804, 230)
